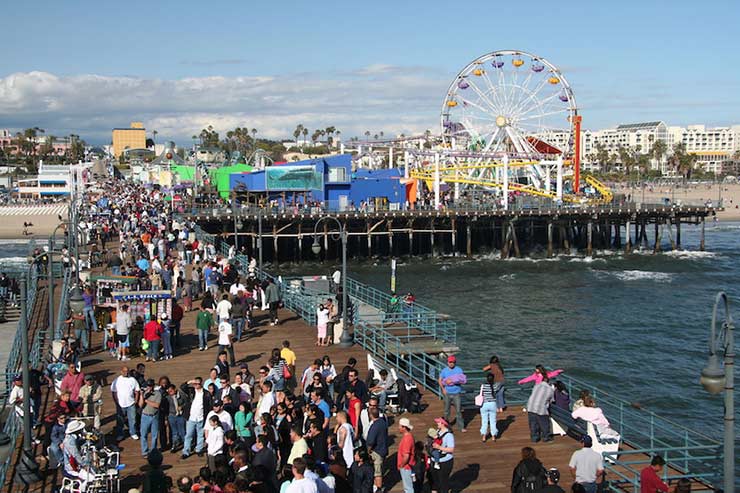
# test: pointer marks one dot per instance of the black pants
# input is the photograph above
(539, 427)
(441, 477)
(274, 311)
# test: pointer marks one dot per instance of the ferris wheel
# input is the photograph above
(510, 102)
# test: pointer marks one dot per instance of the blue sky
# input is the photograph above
(86, 66)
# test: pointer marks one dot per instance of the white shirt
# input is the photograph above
(15, 394)
(266, 402)
(224, 416)
(304, 485)
(587, 463)
(215, 441)
(322, 316)
(336, 277)
(196, 407)
(236, 287)
(223, 308)
(123, 323)
(125, 388)
(224, 333)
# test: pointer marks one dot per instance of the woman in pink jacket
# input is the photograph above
(539, 371)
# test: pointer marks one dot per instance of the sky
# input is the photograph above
(85, 67)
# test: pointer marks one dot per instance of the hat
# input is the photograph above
(218, 402)
(244, 366)
(74, 426)
(165, 317)
(155, 458)
(18, 378)
(586, 440)
(432, 433)
(451, 359)
(406, 423)
(89, 378)
(149, 383)
(442, 421)
(554, 475)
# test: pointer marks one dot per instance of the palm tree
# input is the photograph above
(154, 138)
(297, 133)
(367, 134)
(658, 151)
(381, 134)
(305, 134)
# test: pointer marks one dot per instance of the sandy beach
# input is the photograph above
(11, 226)
(692, 195)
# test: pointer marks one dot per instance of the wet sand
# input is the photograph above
(11, 227)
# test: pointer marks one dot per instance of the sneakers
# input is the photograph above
(200, 349)
(135, 437)
(436, 465)
(205, 348)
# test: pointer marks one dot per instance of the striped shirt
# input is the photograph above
(539, 400)
(486, 391)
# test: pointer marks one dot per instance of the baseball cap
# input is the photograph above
(218, 402)
(89, 378)
(451, 359)
(442, 421)
(150, 382)
(18, 378)
(586, 440)
(406, 423)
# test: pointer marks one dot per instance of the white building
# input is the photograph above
(713, 147)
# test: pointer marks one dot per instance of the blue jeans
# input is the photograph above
(589, 487)
(193, 428)
(56, 453)
(115, 270)
(382, 399)
(239, 327)
(408, 483)
(149, 424)
(153, 350)
(89, 313)
(167, 343)
(488, 415)
(202, 339)
(177, 430)
(81, 335)
(539, 427)
(501, 398)
(126, 414)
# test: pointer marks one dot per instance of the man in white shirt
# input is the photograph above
(199, 402)
(17, 395)
(301, 484)
(125, 390)
(223, 309)
(123, 327)
(236, 287)
(224, 339)
(227, 423)
(587, 465)
(267, 400)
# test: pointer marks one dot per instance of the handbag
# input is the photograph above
(479, 398)
(286, 372)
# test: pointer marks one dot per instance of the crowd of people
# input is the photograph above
(281, 428)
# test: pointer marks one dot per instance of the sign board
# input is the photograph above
(293, 178)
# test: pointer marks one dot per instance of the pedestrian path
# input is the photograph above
(33, 210)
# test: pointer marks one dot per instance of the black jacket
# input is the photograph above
(529, 476)
(190, 392)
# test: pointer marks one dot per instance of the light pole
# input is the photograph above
(259, 238)
(715, 379)
(50, 277)
(237, 226)
(346, 340)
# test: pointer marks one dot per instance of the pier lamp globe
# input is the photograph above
(239, 224)
(713, 377)
(315, 247)
(76, 302)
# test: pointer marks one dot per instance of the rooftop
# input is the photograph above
(640, 126)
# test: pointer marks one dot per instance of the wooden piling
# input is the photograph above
(431, 238)
(454, 237)
(411, 236)
(678, 233)
(701, 237)
(628, 243)
(275, 244)
(589, 245)
(389, 223)
(300, 242)
(468, 238)
(549, 239)
(515, 240)
(656, 247)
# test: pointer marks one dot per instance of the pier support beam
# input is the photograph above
(275, 244)
(369, 239)
(454, 237)
(300, 243)
(628, 233)
(411, 236)
(326, 239)
(656, 247)
(389, 223)
(678, 233)
(469, 239)
(514, 239)
(549, 239)
(589, 234)
(431, 238)
(701, 237)
(505, 235)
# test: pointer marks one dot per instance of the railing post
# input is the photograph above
(686, 451)
(652, 429)
(621, 420)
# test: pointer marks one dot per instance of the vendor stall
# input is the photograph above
(145, 304)
(106, 285)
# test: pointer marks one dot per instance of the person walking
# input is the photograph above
(149, 402)
(529, 475)
(224, 340)
(203, 323)
(377, 445)
(272, 298)
(538, 412)
(488, 409)
(405, 460)
(123, 329)
(586, 465)
(451, 380)
(152, 335)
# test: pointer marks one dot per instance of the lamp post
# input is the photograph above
(259, 238)
(50, 277)
(715, 379)
(237, 226)
(346, 340)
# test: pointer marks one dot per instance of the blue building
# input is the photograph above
(328, 180)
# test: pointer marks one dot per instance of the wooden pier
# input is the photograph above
(287, 235)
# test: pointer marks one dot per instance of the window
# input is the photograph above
(337, 175)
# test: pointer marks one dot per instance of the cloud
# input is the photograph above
(375, 98)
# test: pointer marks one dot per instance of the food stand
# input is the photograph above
(105, 286)
(145, 304)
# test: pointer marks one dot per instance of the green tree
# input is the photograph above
(297, 132)
(658, 151)
(603, 157)
(305, 134)
(367, 134)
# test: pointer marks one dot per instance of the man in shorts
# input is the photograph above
(123, 328)
(377, 444)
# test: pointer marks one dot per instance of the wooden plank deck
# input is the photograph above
(478, 466)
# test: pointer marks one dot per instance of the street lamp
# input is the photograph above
(715, 379)
(346, 340)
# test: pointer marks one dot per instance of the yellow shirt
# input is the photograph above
(288, 355)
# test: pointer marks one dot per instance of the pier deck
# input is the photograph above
(478, 466)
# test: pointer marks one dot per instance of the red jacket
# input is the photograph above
(152, 331)
(650, 482)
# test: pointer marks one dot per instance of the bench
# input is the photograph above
(602, 444)
(562, 423)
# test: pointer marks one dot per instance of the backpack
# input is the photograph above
(531, 481)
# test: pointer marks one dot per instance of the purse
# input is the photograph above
(479, 398)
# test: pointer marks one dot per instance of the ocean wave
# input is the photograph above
(14, 242)
(13, 260)
(690, 254)
(507, 277)
(637, 275)
(587, 260)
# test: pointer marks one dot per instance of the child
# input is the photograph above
(435, 454)
(419, 470)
